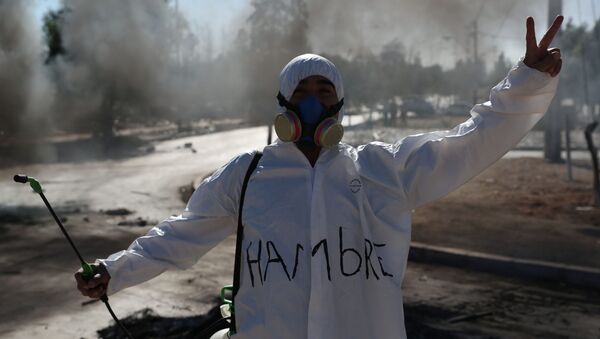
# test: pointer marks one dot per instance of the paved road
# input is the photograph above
(146, 184)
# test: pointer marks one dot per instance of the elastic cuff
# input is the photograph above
(522, 65)
(111, 273)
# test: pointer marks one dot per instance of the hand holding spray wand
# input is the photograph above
(88, 270)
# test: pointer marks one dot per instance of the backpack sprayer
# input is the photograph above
(88, 270)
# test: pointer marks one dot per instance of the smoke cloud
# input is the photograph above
(123, 58)
(25, 94)
(438, 31)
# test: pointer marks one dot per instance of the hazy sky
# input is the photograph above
(224, 17)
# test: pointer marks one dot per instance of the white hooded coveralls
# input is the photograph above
(325, 248)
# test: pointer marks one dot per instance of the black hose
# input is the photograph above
(104, 299)
(62, 228)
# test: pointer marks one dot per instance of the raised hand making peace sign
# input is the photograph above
(539, 56)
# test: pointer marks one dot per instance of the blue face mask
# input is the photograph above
(309, 123)
(312, 112)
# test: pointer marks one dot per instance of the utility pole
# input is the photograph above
(584, 73)
(477, 66)
(596, 27)
(475, 42)
(552, 120)
(475, 37)
(177, 35)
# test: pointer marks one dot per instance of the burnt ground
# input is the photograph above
(455, 303)
(518, 207)
(522, 207)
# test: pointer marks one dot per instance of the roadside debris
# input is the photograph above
(141, 193)
(139, 221)
(117, 211)
(468, 317)
(146, 323)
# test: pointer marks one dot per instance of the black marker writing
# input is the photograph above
(351, 258)
(278, 259)
(368, 259)
(343, 252)
(298, 248)
(380, 263)
(316, 248)
(255, 261)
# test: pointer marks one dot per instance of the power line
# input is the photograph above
(579, 13)
(476, 32)
(512, 4)
(497, 36)
(596, 24)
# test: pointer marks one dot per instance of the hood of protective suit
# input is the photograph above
(302, 67)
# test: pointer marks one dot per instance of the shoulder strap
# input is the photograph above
(240, 235)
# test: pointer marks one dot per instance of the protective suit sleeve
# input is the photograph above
(179, 241)
(427, 166)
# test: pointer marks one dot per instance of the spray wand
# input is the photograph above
(88, 270)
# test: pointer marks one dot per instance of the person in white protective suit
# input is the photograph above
(327, 226)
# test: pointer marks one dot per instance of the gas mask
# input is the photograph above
(309, 122)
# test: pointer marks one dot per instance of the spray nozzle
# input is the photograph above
(35, 185)
(20, 178)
